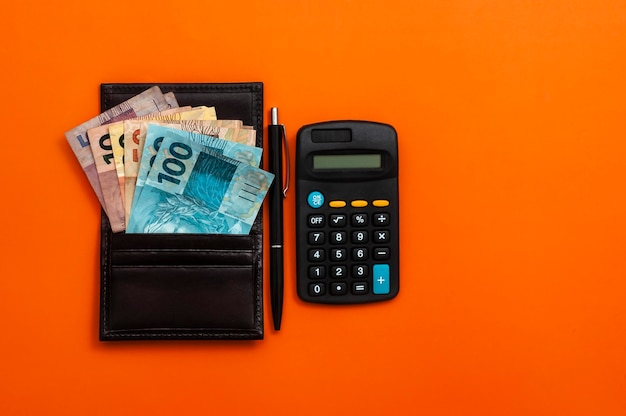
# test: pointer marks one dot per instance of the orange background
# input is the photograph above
(510, 116)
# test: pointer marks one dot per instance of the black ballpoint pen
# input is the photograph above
(277, 139)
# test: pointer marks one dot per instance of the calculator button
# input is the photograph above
(337, 204)
(380, 203)
(338, 272)
(359, 253)
(338, 220)
(360, 271)
(359, 288)
(315, 199)
(317, 289)
(316, 237)
(358, 203)
(338, 237)
(316, 220)
(338, 288)
(359, 220)
(338, 254)
(381, 219)
(381, 253)
(381, 236)
(317, 254)
(359, 237)
(380, 283)
(317, 272)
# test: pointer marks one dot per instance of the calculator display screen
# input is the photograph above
(347, 161)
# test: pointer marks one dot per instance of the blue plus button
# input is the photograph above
(315, 199)
(380, 285)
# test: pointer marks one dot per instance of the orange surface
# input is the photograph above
(510, 118)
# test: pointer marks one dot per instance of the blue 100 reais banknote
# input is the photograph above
(193, 189)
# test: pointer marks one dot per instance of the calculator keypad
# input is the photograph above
(349, 249)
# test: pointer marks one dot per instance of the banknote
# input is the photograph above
(244, 153)
(156, 133)
(170, 99)
(135, 130)
(104, 140)
(194, 190)
(116, 131)
(237, 133)
(200, 126)
(147, 102)
(118, 142)
(100, 143)
(246, 136)
(215, 128)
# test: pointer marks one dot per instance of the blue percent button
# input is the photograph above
(315, 199)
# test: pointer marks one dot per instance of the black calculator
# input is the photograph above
(347, 216)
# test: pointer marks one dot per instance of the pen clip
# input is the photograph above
(286, 149)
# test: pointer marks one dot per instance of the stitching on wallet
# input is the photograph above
(258, 288)
(185, 334)
(105, 273)
(245, 87)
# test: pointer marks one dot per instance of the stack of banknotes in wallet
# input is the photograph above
(160, 168)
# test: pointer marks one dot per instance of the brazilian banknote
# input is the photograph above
(191, 189)
(135, 130)
(104, 140)
(238, 132)
(100, 142)
(157, 133)
(116, 131)
(147, 102)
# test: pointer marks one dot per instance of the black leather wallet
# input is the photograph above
(185, 286)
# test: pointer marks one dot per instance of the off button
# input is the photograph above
(315, 199)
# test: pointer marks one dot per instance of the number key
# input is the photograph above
(317, 289)
(338, 254)
(359, 237)
(316, 255)
(316, 237)
(317, 272)
(359, 271)
(359, 253)
(338, 272)
(338, 237)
